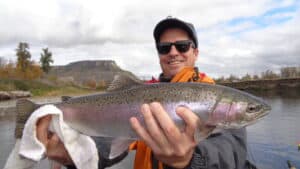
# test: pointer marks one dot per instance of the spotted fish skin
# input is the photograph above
(107, 114)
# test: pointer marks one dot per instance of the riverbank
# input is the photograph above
(268, 84)
(8, 95)
(8, 107)
(39, 89)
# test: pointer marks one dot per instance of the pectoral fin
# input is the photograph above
(202, 132)
(119, 146)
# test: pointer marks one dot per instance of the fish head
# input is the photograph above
(242, 109)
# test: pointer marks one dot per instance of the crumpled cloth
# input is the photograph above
(81, 148)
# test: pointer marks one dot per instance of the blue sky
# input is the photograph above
(271, 17)
(235, 37)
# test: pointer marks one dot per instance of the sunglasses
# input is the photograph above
(181, 46)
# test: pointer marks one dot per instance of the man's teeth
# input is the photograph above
(174, 62)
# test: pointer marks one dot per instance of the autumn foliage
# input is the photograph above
(91, 83)
(24, 68)
(33, 71)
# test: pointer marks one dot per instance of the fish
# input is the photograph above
(107, 114)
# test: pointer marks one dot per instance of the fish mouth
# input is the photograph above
(265, 111)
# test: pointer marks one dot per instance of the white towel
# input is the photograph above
(81, 148)
(15, 161)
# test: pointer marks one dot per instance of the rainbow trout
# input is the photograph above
(108, 114)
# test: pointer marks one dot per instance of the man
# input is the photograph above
(162, 144)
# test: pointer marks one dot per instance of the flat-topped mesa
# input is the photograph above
(83, 71)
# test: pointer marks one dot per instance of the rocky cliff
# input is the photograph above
(100, 71)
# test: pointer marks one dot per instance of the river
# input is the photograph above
(271, 142)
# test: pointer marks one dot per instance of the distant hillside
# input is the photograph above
(101, 71)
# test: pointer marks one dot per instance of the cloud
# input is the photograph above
(235, 36)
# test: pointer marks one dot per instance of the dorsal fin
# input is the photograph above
(122, 81)
(65, 98)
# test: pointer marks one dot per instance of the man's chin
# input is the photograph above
(175, 71)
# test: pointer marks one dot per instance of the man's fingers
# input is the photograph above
(143, 134)
(57, 151)
(165, 121)
(191, 120)
(153, 128)
(42, 129)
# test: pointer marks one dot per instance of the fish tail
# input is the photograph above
(65, 98)
(24, 108)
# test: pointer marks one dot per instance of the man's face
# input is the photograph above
(174, 61)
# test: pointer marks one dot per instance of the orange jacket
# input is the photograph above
(143, 155)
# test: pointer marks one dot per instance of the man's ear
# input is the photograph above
(196, 52)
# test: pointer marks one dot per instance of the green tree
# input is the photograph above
(46, 59)
(24, 56)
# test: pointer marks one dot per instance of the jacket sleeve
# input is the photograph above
(224, 150)
(103, 145)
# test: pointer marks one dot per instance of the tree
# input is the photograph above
(255, 77)
(233, 78)
(269, 74)
(288, 72)
(33, 72)
(91, 83)
(8, 70)
(2, 62)
(23, 56)
(45, 60)
(220, 79)
(247, 77)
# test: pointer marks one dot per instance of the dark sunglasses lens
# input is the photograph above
(163, 48)
(182, 46)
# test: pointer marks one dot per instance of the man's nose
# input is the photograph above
(173, 51)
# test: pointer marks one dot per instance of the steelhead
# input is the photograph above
(107, 114)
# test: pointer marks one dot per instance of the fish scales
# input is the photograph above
(121, 105)
(108, 114)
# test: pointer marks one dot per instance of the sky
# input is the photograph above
(235, 36)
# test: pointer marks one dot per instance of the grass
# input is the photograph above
(42, 89)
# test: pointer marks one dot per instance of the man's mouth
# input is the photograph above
(174, 62)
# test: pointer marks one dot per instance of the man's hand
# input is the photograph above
(55, 149)
(169, 145)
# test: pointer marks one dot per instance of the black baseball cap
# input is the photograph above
(171, 22)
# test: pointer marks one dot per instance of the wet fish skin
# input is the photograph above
(107, 114)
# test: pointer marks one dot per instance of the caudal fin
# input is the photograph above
(24, 108)
(65, 98)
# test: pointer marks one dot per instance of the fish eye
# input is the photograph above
(252, 108)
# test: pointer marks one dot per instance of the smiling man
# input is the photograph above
(162, 144)
(172, 60)
(176, 47)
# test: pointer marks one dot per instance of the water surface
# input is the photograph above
(272, 141)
